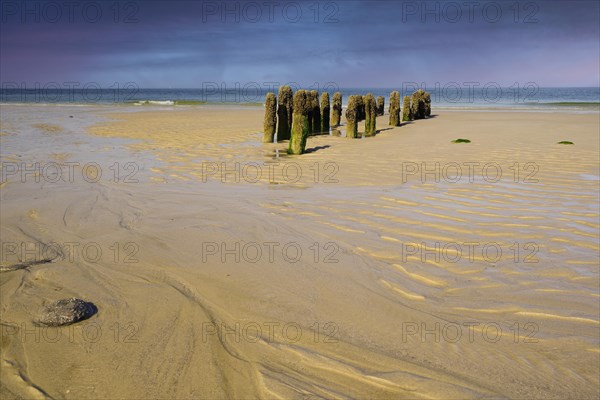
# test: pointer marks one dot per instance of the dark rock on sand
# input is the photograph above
(66, 312)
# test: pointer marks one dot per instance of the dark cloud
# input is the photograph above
(352, 43)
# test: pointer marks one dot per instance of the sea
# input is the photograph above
(452, 96)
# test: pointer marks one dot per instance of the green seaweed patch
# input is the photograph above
(461, 141)
(565, 142)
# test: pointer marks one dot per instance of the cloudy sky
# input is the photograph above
(366, 43)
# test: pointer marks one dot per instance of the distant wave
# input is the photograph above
(167, 102)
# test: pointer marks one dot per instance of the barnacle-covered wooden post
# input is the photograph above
(315, 112)
(380, 105)
(300, 123)
(270, 121)
(406, 110)
(284, 113)
(352, 117)
(336, 111)
(370, 115)
(325, 110)
(394, 108)
(427, 98)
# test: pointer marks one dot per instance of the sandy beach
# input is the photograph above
(397, 266)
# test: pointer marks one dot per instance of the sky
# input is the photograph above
(351, 43)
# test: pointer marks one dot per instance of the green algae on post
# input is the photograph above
(394, 108)
(565, 142)
(370, 115)
(284, 113)
(360, 108)
(418, 104)
(315, 112)
(380, 105)
(300, 123)
(336, 113)
(352, 117)
(270, 121)
(427, 98)
(406, 110)
(461, 141)
(325, 111)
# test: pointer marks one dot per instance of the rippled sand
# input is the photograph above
(483, 285)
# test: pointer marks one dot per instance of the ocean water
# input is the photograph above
(447, 96)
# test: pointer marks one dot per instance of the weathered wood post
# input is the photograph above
(370, 115)
(270, 122)
(427, 99)
(325, 110)
(284, 113)
(380, 105)
(336, 114)
(315, 112)
(406, 110)
(300, 123)
(360, 108)
(394, 108)
(352, 117)
(418, 104)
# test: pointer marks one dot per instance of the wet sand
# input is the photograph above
(222, 268)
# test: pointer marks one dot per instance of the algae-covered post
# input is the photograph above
(284, 113)
(336, 114)
(360, 101)
(418, 104)
(315, 112)
(427, 99)
(325, 110)
(380, 105)
(406, 110)
(370, 115)
(309, 110)
(300, 123)
(352, 117)
(394, 108)
(270, 118)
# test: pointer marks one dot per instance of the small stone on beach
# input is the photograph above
(66, 312)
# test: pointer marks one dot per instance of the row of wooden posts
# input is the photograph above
(295, 116)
